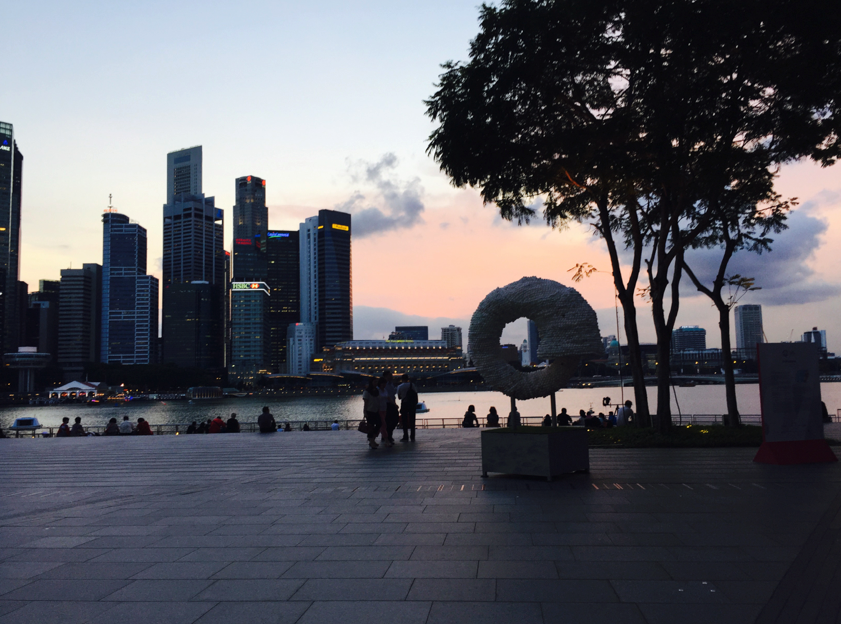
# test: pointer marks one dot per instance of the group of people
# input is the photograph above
(382, 414)
(216, 425)
(623, 416)
(126, 427)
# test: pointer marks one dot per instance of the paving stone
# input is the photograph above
(222, 554)
(621, 553)
(488, 539)
(159, 591)
(410, 539)
(254, 613)
(361, 589)
(252, 569)
(365, 553)
(345, 539)
(61, 612)
(26, 570)
(180, 570)
(366, 612)
(7, 606)
(453, 589)
(9, 585)
(146, 612)
(517, 570)
(250, 590)
(290, 553)
(449, 553)
(432, 569)
(668, 591)
(76, 590)
(92, 571)
(466, 612)
(592, 613)
(699, 613)
(57, 554)
(143, 555)
(534, 553)
(538, 590)
(58, 542)
(609, 570)
(337, 569)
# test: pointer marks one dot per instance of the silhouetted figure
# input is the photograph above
(202, 428)
(77, 430)
(470, 420)
(266, 421)
(408, 407)
(547, 420)
(126, 427)
(233, 424)
(143, 427)
(192, 428)
(564, 418)
(492, 419)
(288, 427)
(217, 425)
(113, 428)
(63, 429)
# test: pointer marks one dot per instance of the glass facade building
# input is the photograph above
(689, 338)
(194, 286)
(79, 319)
(129, 295)
(749, 331)
(284, 279)
(335, 289)
(11, 179)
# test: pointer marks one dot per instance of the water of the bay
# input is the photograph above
(703, 400)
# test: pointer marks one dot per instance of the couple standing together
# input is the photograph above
(382, 413)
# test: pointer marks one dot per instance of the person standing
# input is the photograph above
(408, 407)
(382, 404)
(266, 421)
(371, 412)
(624, 415)
(392, 414)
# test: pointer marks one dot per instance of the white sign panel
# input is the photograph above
(790, 391)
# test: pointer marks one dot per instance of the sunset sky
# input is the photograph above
(325, 101)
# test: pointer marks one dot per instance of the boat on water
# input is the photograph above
(422, 408)
(25, 424)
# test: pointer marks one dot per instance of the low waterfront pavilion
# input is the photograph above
(314, 527)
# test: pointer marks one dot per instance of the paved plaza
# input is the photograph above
(313, 527)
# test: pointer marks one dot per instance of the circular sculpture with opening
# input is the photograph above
(566, 324)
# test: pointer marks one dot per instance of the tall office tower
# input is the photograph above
(534, 341)
(42, 319)
(335, 288)
(818, 336)
(11, 177)
(250, 345)
(79, 319)
(413, 332)
(525, 354)
(284, 279)
(326, 276)
(689, 338)
(749, 328)
(300, 346)
(452, 336)
(194, 289)
(183, 173)
(129, 295)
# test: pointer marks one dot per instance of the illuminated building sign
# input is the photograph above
(344, 228)
(5, 148)
(242, 241)
(278, 234)
(261, 286)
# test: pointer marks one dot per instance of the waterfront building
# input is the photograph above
(749, 332)
(42, 319)
(11, 180)
(818, 336)
(300, 347)
(413, 332)
(326, 276)
(249, 294)
(194, 260)
(129, 295)
(79, 318)
(452, 336)
(689, 338)
(371, 357)
(284, 280)
(533, 340)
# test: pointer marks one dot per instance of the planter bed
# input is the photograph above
(536, 451)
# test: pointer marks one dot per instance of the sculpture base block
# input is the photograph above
(797, 452)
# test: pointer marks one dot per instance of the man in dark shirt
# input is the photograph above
(266, 421)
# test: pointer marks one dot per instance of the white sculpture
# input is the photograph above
(566, 324)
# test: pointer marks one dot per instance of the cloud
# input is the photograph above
(394, 204)
(783, 274)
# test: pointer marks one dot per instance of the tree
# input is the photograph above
(626, 115)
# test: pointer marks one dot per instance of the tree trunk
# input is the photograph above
(643, 417)
(733, 419)
(663, 419)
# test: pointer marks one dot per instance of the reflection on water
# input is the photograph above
(697, 400)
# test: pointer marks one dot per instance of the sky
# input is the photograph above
(324, 100)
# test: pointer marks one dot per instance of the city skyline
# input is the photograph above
(362, 153)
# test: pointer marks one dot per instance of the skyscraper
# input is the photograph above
(79, 319)
(129, 295)
(818, 336)
(749, 328)
(42, 319)
(326, 277)
(534, 341)
(452, 336)
(250, 295)
(284, 280)
(194, 289)
(11, 177)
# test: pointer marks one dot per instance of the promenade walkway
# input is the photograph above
(314, 528)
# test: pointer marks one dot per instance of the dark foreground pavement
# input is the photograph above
(315, 528)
